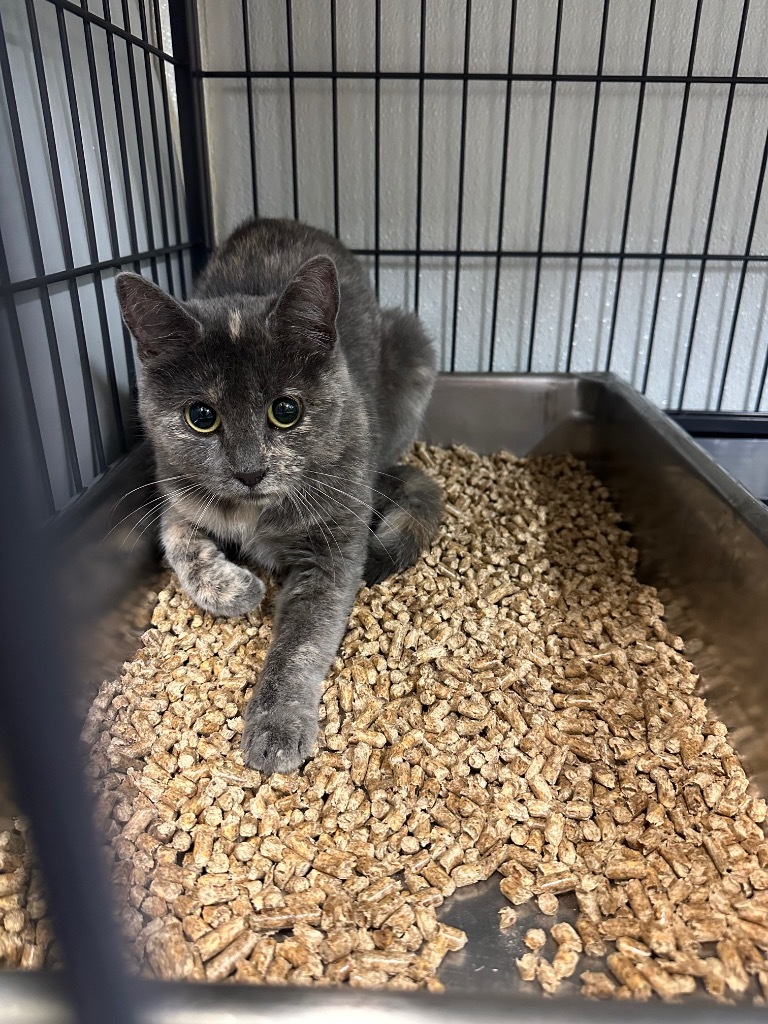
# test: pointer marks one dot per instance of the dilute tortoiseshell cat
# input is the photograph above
(278, 401)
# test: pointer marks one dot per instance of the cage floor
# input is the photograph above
(515, 779)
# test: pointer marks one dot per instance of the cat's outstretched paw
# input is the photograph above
(277, 739)
(222, 588)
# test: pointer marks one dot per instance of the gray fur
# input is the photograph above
(285, 309)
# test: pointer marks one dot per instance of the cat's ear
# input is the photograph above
(158, 322)
(308, 307)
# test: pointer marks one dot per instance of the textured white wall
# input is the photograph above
(229, 148)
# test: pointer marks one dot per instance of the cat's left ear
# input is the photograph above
(308, 307)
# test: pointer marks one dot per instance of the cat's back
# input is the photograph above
(261, 256)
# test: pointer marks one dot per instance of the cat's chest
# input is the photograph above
(248, 528)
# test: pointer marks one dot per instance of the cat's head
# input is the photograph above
(240, 394)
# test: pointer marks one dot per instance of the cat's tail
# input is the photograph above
(409, 509)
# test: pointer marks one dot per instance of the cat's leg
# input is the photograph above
(408, 505)
(311, 617)
(206, 574)
(409, 509)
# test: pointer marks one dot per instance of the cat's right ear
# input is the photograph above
(158, 322)
(307, 309)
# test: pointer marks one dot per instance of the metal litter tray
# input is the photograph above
(703, 541)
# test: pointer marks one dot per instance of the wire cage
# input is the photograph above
(568, 185)
(553, 185)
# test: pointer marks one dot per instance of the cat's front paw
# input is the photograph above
(222, 588)
(277, 738)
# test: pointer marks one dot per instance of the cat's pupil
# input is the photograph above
(202, 416)
(285, 411)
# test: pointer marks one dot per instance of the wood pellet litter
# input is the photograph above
(514, 703)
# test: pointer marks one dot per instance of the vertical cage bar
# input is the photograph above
(713, 204)
(292, 101)
(672, 192)
(503, 182)
(545, 184)
(98, 121)
(153, 127)
(335, 119)
(27, 395)
(761, 386)
(121, 142)
(420, 152)
(172, 170)
(462, 161)
(39, 734)
(631, 184)
(377, 150)
(588, 183)
(106, 170)
(249, 96)
(92, 414)
(193, 138)
(90, 228)
(743, 274)
(139, 129)
(68, 435)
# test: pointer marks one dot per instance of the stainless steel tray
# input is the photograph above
(703, 541)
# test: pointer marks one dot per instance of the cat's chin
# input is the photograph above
(261, 500)
(248, 498)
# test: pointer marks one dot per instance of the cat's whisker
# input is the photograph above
(325, 532)
(292, 502)
(375, 491)
(199, 519)
(193, 532)
(381, 516)
(157, 513)
(322, 483)
(150, 483)
(379, 472)
(160, 503)
(153, 501)
(216, 503)
(298, 497)
(144, 529)
(351, 512)
(327, 513)
(319, 508)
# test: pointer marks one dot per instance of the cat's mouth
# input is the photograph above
(257, 496)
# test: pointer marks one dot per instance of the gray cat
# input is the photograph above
(278, 401)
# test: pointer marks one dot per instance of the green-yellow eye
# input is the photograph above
(202, 418)
(284, 412)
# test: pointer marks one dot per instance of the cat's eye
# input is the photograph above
(284, 412)
(202, 418)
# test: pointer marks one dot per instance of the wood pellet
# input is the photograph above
(514, 705)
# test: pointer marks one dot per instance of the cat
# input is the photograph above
(278, 401)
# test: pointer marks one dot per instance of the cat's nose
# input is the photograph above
(252, 478)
